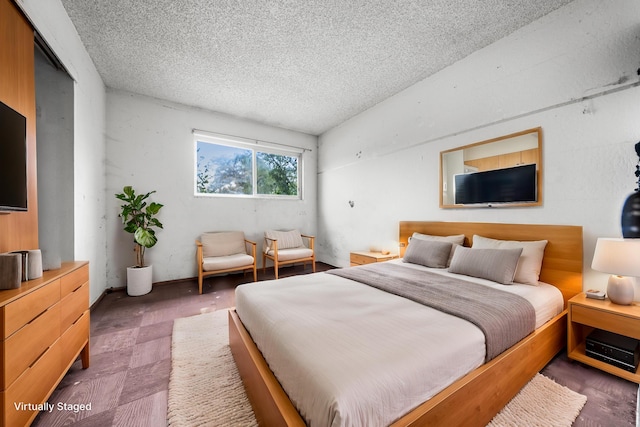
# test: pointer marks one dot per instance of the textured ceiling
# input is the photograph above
(306, 65)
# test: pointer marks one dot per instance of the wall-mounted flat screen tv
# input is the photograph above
(516, 184)
(13, 160)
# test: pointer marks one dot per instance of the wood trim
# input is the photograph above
(19, 230)
(475, 398)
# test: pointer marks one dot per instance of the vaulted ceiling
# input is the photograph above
(306, 65)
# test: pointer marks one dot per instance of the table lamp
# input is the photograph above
(620, 258)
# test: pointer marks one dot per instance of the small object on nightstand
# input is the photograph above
(595, 294)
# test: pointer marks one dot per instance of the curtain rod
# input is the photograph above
(256, 141)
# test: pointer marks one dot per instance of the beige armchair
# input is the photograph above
(223, 252)
(287, 247)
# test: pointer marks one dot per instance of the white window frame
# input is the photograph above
(255, 146)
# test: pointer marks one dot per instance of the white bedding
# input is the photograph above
(351, 355)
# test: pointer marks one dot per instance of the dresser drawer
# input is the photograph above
(73, 340)
(33, 386)
(27, 344)
(73, 305)
(21, 311)
(605, 319)
(74, 280)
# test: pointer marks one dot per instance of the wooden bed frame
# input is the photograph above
(477, 397)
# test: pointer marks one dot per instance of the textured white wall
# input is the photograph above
(573, 73)
(54, 128)
(150, 146)
(53, 23)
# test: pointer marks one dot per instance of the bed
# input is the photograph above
(481, 390)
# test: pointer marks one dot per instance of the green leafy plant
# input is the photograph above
(139, 219)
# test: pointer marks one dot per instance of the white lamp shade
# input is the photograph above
(617, 256)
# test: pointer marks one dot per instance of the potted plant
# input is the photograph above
(139, 219)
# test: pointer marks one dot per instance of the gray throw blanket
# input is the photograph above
(503, 317)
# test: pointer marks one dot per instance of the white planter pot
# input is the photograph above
(139, 280)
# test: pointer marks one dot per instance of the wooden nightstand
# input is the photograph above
(359, 258)
(587, 314)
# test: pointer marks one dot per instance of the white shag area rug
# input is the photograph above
(205, 388)
(541, 403)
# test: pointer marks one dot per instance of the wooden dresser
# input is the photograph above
(45, 326)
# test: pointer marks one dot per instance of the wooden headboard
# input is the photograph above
(562, 264)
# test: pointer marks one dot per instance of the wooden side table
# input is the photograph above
(366, 257)
(587, 314)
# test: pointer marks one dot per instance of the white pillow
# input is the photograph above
(528, 271)
(456, 240)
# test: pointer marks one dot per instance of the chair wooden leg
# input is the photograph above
(200, 283)
(264, 263)
(255, 273)
(275, 267)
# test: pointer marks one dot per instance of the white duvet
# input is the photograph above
(350, 355)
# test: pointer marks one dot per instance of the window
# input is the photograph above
(237, 167)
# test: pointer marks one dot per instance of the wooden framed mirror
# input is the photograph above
(499, 172)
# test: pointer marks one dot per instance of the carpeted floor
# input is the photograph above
(205, 388)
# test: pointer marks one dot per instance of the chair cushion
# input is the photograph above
(223, 243)
(286, 239)
(293, 253)
(226, 262)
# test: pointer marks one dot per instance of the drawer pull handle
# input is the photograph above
(38, 316)
(78, 319)
(39, 357)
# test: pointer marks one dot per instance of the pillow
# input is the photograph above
(528, 271)
(223, 243)
(286, 239)
(498, 265)
(429, 253)
(456, 240)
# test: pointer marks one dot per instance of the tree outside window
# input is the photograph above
(223, 169)
(277, 174)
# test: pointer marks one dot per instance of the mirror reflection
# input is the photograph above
(503, 171)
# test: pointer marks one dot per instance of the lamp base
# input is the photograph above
(620, 290)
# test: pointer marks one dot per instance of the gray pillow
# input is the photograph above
(457, 240)
(430, 253)
(498, 265)
(528, 271)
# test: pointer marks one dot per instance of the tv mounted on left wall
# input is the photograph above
(13, 160)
